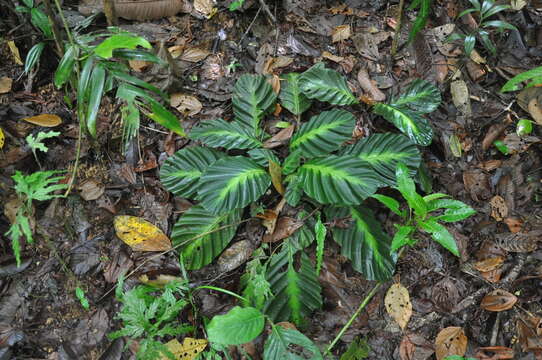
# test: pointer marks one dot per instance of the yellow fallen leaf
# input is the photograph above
(5, 84)
(276, 176)
(2, 138)
(45, 120)
(188, 350)
(140, 234)
(15, 52)
(398, 305)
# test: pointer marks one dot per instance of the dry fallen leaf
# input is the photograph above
(498, 300)
(5, 84)
(279, 138)
(499, 210)
(158, 280)
(140, 234)
(460, 97)
(194, 55)
(489, 264)
(330, 56)
(514, 224)
(139, 65)
(235, 255)
(284, 228)
(494, 353)
(91, 190)
(398, 305)
(205, 7)
(188, 350)
(15, 52)
(518, 242)
(45, 120)
(276, 176)
(535, 109)
(186, 104)
(450, 341)
(340, 33)
(530, 333)
(415, 347)
(369, 87)
(274, 81)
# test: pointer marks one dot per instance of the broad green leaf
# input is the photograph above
(202, 236)
(411, 123)
(364, 243)
(292, 161)
(326, 85)
(238, 326)
(294, 190)
(390, 203)
(407, 188)
(401, 237)
(455, 210)
(524, 127)
(138, 55)
(33, 57)
(304, 236)
(181, 172)
(230, 135)
(320, 231)
(232, 183)
(252, 97)
(421, 19)
(297, 293)
(120, 41)
(341, 180)
(512, 84)
(280, 345)
(263, 156)
(95, 94)
(66, 65)
(291, 96)
(420, 96)
(383, 152)
(440, 234)
(323, 133)
(431, 197)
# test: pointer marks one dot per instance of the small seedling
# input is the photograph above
(36, 143)
(80, 294)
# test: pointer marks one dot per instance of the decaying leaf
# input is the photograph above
(340, 33)
(276, 176)
(450, 341)
(369, 87)
(514, 224)
(330, 56)
(194, 55)
(186, 104)
(235, 256)
(530, 333)
(535, 109)
(45, 120)
(15, 52)
(284, 228)
(398, 305)
(489, 264)
(279, 138)
(494, 353)
(205, 7)
(498, 300)
(5, 84)
(91, 190)
(158, 280)
(188, 350)
(139, 65)
(415, 347)
(499, 210)
(460, 97)
(518, 242)
(140, 234)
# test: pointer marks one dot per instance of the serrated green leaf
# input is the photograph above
(341, 180)
(232, 183)
(440, 234)
(401, 237)
(66, 65)
(383, 152)
(291, 96)
(411, 123)
(512, 84)
(279, 345)
(252, 97)
(420, 96)
(326, 85)
(297, 294)
(323, 133)
(230, 135)
(364, 243)
(238, 326)
(181, 172)
(407, 188)
(120, 41)
(211, 239)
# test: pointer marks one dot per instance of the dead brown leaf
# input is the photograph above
(498, 300)
(285, 227)
(139, 65)
(460, 97)
(235, 255)
(518, 242)
(340, 33)
(369, 87)
(5, 84)
(276, 176)
(535, 109)
(477, 184)
(530, 333)
(279, 138)
(450, 341)
(204, 7)
(499, 210)
(514, 224)
(91, 190)
(398, 305)
(489, 264)
(274, 81)
(494, 353)
(186, 104)
(194, 54)
(445, 294)
(330, 56)
(45, 120)
(415, 347)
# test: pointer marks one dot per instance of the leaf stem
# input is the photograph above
(222, 290)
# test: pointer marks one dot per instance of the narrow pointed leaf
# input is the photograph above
(95, 94)
(343, 180)
(420, 96)
(407, 188)
(230, 135)
(421, 19)
(65, 67)
(326, 85)
(291, 97)
(411, 123)
(181, 172)
(232, 183)
(383, 152)
(364, 243)
(401, 237)
(440, 234)
(252, 97)
(323, 133)
(203, 236)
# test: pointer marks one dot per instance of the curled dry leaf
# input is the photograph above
(45, 120)
(186, 104)
(140, 234)
(415, 347)
(369, 87)
(91, 190)
(340, 33)
(398, 305)
(274, 81)
(284, 228)
(450, 341)
(188, 350)
(489, 264)
(498, 300)
(530, 333)
(235, 256)
(5, 84)
(494, 353)
(499, 210)
(279, 138)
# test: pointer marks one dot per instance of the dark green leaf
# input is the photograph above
(470, 40)
(83, 88)
(124, 77)
(120, 41)
(294, 190)
(238, 326)
(465, 12)
(357, 350)
(486, 41)
(420, 96)
(499, 25)
(341, 180)
(476, 4)
(139, 55)
(181, 172)
(263, 157)
(409, 122)
(323, 133)
(230, 135)
(320, 231)
(440, 234)
(95, 94)
(66, 65)
(511, 85)
(41, 21)
(252, 97)
(280, 345)
(291, 96)
(455, 210)
(232, 183)
(202, 236)
(364, 243)
(494, 10)
(33, 57)
(164, 117)
(326, 85)
(292, 161)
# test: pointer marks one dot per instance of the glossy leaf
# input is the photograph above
(401, 237)
(95, 94)
(323, 133)
(33, 57)
(524, 127)
(238, 326)
(294, 191)
(66, 65)
(341, 180)
(138, 55)
(120, 41)
(292, 161)
(280, 345)
(291, 97)
(383, 152)
(411, 123)
(469, 42)
(181, 172)
(252, 97)
(390, 203)
(512, 84)
(230, 135)
(420, 96)
(364, 243)
(440, 234)
(232, 183)
(407, 188)
(455, 210)
(83, 89)
(164, 117)
(326, 85)
(203, 236)
(263, 156)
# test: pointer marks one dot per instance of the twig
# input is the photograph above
(267, 11)
(397, 29)
(495, 332)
